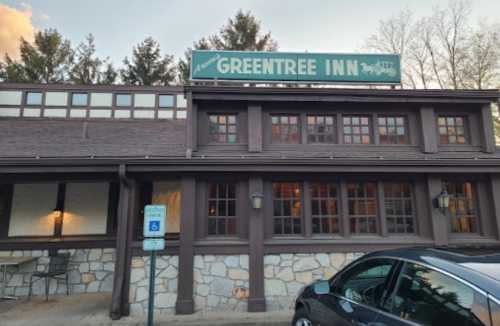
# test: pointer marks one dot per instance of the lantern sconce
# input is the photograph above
(443, 201)
(257, 200)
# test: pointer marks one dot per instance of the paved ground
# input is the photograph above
(92, 309)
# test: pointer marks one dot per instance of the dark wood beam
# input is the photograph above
(488, 129)
(428, 123)
(256, 300)
(185, 302)
(440, 221)
(495, 191)
(255, 128)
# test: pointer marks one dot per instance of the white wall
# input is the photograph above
(10, 97)
(32, 210)
(85, 208)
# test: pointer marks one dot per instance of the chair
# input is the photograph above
(58, 269)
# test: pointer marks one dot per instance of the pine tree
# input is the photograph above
(47, 60)
(241, 33)
(147, 66)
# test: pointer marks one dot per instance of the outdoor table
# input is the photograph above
(11, 261)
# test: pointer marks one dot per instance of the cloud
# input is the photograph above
(14, 24)
(44, 16)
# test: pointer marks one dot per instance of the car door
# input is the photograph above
(354, 294)
(423, 295)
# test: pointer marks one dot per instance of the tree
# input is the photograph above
(443, 50)
(148, 67)
(241, 33)
(87, 68)
(47, 60)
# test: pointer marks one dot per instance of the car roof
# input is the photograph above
(461, 262)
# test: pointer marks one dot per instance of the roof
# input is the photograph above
(459, 262)
(343, 94)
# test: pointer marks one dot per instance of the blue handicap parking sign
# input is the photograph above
(154, 221)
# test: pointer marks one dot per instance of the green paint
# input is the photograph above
(306, 67)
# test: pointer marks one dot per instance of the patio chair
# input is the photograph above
(58, 270)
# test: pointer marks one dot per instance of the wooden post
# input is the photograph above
(495, 191)
(428, 130)
(121, 282)
(256, 300)
(191, 124)
(185, 302)
(488, 129)
(439, 221)
(254, 128)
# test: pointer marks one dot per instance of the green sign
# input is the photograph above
(304, 67)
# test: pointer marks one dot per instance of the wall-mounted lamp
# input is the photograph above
(257, 199)
(57, 211)
(443, 201)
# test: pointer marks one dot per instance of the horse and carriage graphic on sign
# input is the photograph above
(379, 68)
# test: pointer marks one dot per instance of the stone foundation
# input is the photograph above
(286, 274)
(165, 284)
(89, 271)
(221, 283)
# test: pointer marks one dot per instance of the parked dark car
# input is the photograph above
(417, 286)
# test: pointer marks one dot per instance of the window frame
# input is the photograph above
(413, 216)
(237, 124)
(333, 133)
(466, 124)
(72, 97)
(477, 208)
(111, 217)
(26, 96)
(226, 217)
(377, 217)
(310, 216)
(115, 100)
(406, 125)
(272, 218)
(370, 125)
(280, 115)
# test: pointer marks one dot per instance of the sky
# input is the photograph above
(297, 25)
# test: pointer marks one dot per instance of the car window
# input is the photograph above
(495, 311)
(432, 298)
(365, 282)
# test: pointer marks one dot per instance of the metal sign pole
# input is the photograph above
(151, 303)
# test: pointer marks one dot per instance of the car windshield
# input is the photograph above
(490, 269)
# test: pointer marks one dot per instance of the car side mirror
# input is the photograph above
(321, 287)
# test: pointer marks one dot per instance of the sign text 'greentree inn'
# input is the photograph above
(285, 66)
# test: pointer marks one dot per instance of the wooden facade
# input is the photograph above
(255, 163)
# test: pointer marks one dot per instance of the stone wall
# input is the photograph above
(89, 271)
(286, 274)
(221, 283)
(165, 284)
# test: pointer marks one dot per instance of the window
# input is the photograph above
(168, 193)
(166, 101)
(79, 99)
(285, 129)
(357, 130)
(392, 130)
(124, 100)
(365, 282)
(324, 208)
(462, 208)
(431, 298)
(222, 128)
(287, 208)
(33, 98)
(221, 209)
(362, 205)
(399, 207)
(452, 130)
(320, 129)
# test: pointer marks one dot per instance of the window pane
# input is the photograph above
(168, 193)
(79, 99)
(285, 129)
(362, 207)
(428, 297)
(365, 282)
(320, 129)
(356, 130)
(462, 207)
(287, 207)
(34, 98)
(166, 101)
(398, 207)
(223, 128)
(123, 100)
(451, 130)
(222, 209)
